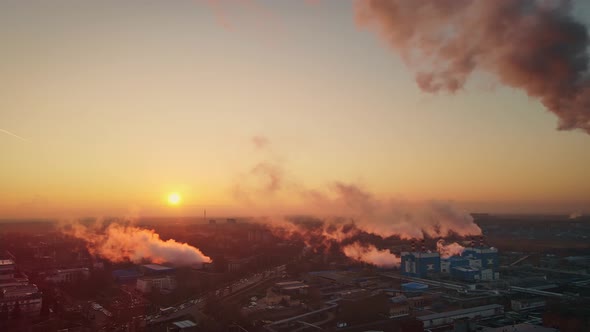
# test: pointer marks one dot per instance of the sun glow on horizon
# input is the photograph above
(174, 198)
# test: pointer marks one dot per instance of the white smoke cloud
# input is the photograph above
(343, 210)
(118, 243)
(448, 250)
(370, 254)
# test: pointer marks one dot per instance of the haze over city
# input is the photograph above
(296, 165)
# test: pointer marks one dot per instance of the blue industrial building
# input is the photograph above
(474, 264)
(488, 257)
(420, 264)
(447, 264)
(466, 273)
(126, 276)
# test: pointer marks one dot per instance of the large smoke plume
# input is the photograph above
(343, 211)
(533, 45)
(119, 242)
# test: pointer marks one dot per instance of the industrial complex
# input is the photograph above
(259, 280)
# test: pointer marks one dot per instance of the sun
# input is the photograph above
(174, 198)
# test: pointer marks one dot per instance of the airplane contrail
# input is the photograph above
(13, 135)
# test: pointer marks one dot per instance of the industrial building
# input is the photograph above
(444, 318)
(476, 263)
(291, 287)
(414, 287)
(399, 306)
(182, 326)
(17, 290)
(519, 328)
(126, 276)
(163, 284)
(155, 269)
(420, 264)
(28, 297)
(528, 303)
(68, 275)
(6, 269)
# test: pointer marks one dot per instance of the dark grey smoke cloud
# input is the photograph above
(533, 45)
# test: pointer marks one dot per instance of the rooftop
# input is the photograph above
(125, 273)
(77, 269)
(157, 267)
(184, 324)
(398, 299)
(415, 285)
(520, 328)
(287, 283)
(466, 269)
(295, 287)
(459, 312)
(4, 262)
(421, 254)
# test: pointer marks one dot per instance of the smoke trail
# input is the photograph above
(338, 203)
(270, 173)
(342, 212)
(448, 250)
(119, 243)
(260, 142)
(533, 45)
(387, 217)
(370, 254)
(13, 135)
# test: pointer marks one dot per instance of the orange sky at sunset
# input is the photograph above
(108, 107)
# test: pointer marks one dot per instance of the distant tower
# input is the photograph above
(205, 215)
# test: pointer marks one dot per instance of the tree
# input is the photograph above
(16, 311)
(45, 305)
(284, 302)
(4, 312)
(314, 298)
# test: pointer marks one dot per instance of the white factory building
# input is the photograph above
(68, 275)
(17, 290)
(449, 317)
(163, 284)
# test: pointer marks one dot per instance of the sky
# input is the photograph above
(108, 106)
